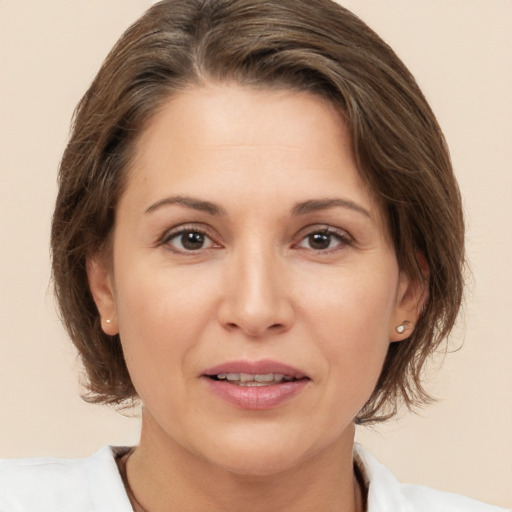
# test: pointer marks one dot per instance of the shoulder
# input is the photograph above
(427, 498)
(52, 484)
(386, 494)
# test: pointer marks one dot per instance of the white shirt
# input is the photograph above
(94, 485)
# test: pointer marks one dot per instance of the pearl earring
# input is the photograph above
(400, 329)
(108, 320)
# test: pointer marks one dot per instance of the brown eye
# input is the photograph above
(189, 241)
(192, 241)
(325, 240)
(319, 241)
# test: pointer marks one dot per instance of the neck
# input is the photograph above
(161, 474)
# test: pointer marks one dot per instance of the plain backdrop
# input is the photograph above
(461, 54)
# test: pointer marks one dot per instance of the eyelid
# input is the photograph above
(345, 238)
(174, 232)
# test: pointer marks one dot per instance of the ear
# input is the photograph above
(411, 296)
(100, 282)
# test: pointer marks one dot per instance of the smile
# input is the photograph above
(248, 379)
(256, 385)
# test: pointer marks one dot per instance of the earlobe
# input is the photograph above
(410, 300)
(400, 329)
(100, 283)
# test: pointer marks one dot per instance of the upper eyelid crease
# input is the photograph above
(174, 232)
(341, 234)
(305, 232)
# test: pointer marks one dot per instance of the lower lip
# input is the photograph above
(257, 397)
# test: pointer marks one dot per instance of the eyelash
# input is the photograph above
(344, 239)
(183, 230)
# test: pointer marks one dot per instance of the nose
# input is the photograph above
(256, 299)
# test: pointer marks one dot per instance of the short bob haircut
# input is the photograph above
(315, 46)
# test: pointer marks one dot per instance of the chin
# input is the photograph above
(262, 454)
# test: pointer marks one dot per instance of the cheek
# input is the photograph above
(161, 317)
(350, 319)
(152, 297)
(352, 305)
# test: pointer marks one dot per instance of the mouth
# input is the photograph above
(254, 380)
(256, 385)
(264, 372)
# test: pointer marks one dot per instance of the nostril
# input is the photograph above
(254, 331)
(256, 320)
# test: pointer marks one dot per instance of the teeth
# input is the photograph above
(249, 379)
(267, 377)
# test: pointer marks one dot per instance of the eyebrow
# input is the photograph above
(188, 202)
(303, 208)
(315, 205)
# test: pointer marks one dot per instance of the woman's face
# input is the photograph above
(253, 283)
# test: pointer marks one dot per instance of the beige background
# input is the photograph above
(461, 54)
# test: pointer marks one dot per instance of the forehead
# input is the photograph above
(276, 141)
(230, 113)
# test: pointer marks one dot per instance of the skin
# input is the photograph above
(258, 288)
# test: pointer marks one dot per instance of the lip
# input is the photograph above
(257, 397)
(256, 367)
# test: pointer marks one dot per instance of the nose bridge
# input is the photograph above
(257, 269)
(256, 302)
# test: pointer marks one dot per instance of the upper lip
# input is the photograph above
(261, 367)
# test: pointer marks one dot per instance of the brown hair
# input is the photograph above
(312, 45)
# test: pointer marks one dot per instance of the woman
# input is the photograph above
(258, 234)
